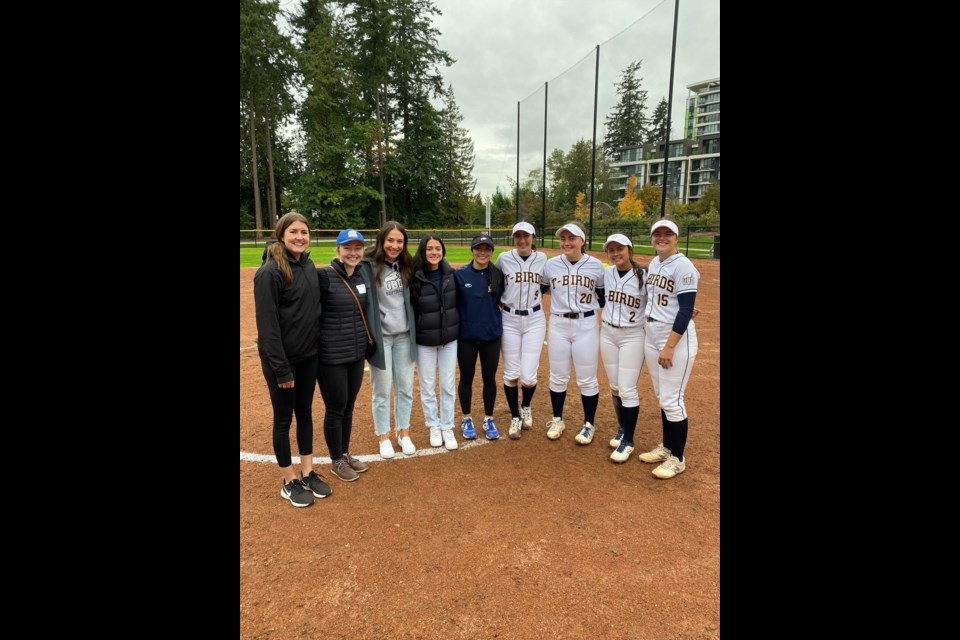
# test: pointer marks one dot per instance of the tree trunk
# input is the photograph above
(256, 184)
(272, 187)
(383, 198)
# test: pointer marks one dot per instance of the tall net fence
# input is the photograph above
(557, 123)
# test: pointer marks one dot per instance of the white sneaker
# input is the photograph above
(435, 439)
(616, 439)
(526, 417)
(406, 444)
(386, 449)
(449, 440)
(659, 454)
(670, 467)
(586, 434)
(556, 427)
(515, 428)
(622, 453)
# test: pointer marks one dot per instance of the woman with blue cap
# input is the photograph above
(347, 302)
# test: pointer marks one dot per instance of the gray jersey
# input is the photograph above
(665, 281)
(626, 298)
(522, 279)
(573, 286)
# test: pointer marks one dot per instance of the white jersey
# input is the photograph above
(522, 279)
(665, 281)
(573, 286)
(626, 298)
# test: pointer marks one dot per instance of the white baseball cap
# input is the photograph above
(665, 223)
(524, 226)
(619, 238)
(574, 229)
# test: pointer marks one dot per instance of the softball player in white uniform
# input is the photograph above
(575, 282)
(671, 343)
(622, 338)
(524, 324)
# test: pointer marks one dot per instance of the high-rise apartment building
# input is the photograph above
(694, 160)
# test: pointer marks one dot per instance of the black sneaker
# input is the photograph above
(314, 482)
(296, 493)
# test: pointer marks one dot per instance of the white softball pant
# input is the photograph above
(669, 384)
(623, 352)
(522, 344)
(577, 338)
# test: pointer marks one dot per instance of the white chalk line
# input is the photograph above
(368, 457)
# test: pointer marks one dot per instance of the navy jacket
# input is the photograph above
(480, 315)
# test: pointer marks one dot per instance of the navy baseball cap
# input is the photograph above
(349, 235)
(487, 240)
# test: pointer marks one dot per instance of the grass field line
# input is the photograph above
(367, 457)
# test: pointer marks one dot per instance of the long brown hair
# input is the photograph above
(278, 251)
(378, 256)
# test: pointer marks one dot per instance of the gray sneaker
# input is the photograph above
(357, 465)
(659, 454)
(315, 483)
(296, 493)
(341, 468)
(670, 467)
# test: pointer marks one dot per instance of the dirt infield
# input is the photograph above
(526, 538)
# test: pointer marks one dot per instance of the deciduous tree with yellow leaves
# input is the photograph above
(631, 206)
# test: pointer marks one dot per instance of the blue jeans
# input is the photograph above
(434, 363)
(399, 375)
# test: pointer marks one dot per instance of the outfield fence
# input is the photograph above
(694, 241)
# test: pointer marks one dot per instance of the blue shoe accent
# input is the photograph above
(466, 425)
(490, 429)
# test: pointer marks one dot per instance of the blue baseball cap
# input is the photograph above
(349, 235)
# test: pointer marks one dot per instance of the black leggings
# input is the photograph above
(286, 402)
(489, 351)
(339, 386)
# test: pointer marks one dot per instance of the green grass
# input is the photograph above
(250, 256)
(700, 247)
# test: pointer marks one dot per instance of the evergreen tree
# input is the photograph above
(267, 76)
(658, 122)
(456, 172)
(627, 125)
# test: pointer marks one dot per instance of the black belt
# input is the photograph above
(613, 325)
(652, 319)
(521, 312)
(575, 315)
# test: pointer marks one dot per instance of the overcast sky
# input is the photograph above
(506, 49)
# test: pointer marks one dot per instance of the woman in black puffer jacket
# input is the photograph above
(433, 294)
(348, 301)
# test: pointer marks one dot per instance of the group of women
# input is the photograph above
(395, 310)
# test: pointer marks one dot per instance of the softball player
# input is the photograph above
(575, 282)
(671, 342)
(622, 338)
(524, 325)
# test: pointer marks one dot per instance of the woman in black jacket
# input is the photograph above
(287, 302)
(433, 295)
(346, 291)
